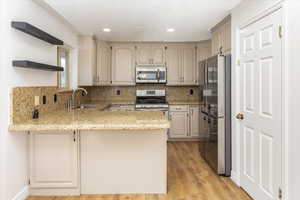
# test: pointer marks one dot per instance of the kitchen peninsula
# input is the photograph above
(97, 152)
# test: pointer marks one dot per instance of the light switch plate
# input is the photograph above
(37, 100)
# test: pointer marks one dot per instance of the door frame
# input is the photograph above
(279, 5)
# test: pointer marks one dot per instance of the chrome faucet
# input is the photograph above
(73, 96)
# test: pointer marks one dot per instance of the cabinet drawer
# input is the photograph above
(179, 108)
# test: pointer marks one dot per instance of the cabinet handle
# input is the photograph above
(74, 136)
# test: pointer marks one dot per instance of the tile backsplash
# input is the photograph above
(127, 93)
(23, 101)
(23, 98)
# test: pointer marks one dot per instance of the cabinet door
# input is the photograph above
(158, 54)
(179, 124)
(144, 54)
(53, 160)
(194, 121)
(123, 64)
(189, 65)
(103, 64)
(203, 52)
(173, 61)
(227, 37)
(216, 42)
(87, 61)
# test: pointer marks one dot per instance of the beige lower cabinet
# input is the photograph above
(185, 122)
(54, 163)
(194, 121)
(123, 161)
(179, 124)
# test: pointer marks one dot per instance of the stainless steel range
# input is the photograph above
(152, 100)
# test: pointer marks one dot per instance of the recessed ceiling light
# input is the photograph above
(170, 30)
(107, 30)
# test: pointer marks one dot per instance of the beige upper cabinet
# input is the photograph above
(173, 60)
(158, 54)
(189, 65)
(221, 36)
(123, 64)
(181, 64)
(143, 54)
(87, 61)
(103, 64)
(150, 54)
(203, 52)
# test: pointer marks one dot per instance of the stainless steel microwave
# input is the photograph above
(151, 74)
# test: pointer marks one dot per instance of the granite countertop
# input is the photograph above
(99, 119)
(95, 120)
(101, 105)
(185, 103)
(105, 104)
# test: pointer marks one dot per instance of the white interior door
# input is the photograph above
(260, 97)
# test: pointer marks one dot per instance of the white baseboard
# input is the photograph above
(235, 178)
(22, 195)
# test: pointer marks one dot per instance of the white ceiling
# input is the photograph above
(144, 20)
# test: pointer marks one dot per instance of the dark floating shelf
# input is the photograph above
(34, 65)
(36, 32)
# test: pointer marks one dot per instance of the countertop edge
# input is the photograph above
(28, 128)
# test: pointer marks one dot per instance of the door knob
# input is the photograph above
(240, 116)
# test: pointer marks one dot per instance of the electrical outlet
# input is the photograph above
(191, 91)
(117, 91)
(36, 100)
(44, 99)
(55, 98)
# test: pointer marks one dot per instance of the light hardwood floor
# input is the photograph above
(189, 178)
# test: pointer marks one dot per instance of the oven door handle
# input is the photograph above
(158, 75)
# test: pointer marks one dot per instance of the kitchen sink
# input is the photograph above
(87, 107)
(120, 108)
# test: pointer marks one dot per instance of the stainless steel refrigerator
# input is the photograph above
(216, 112)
